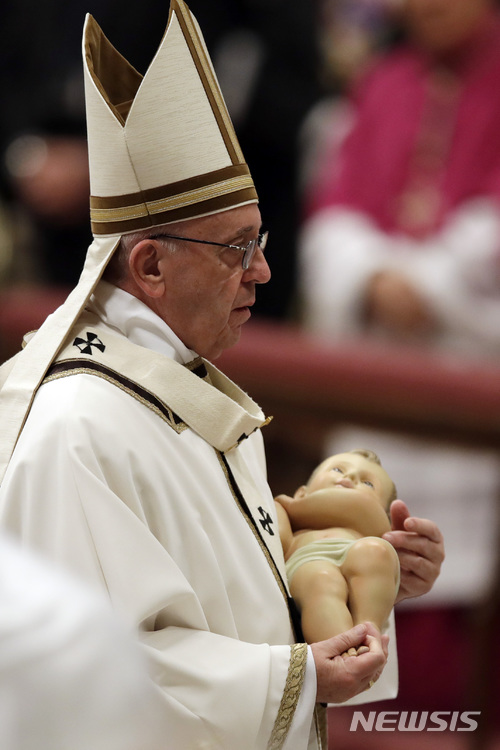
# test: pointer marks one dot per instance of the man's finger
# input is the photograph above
(423, 527)
(418, 566)
(350, 639)
(399, 513)
(416, 544)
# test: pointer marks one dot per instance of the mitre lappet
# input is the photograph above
(162, 149)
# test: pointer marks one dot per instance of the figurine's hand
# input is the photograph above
(420, 548)
(339, 676)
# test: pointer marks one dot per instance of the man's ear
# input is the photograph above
(300, 493)
(146, 267)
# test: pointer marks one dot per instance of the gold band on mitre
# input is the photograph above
(205, 194)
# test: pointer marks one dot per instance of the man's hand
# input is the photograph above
(340, 677)
(420, 548)
(393, 303)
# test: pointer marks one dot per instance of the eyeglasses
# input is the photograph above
(247, 250)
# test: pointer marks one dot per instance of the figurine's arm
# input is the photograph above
(343, 508)
(285, 529)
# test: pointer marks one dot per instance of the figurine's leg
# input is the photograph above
(320, 592)
(371, 569)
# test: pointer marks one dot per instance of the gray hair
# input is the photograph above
(117, 268)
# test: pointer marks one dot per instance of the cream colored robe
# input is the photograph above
(142, 486)
(71, 676)
(109, 480)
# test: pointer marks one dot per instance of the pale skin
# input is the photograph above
(346, 498)
(205, 296)
(201, 291)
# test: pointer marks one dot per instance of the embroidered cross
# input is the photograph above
(85, 345)
(266, 521)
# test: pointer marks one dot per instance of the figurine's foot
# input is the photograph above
(356, 651)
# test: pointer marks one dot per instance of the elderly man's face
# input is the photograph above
(209, 295)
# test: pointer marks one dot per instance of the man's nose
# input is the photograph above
(258, 269)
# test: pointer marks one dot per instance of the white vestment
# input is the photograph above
(71, 675)
(147, 486)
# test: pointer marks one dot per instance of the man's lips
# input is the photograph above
(240, 315)
(248, 305)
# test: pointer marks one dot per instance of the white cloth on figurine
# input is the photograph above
(176, 550)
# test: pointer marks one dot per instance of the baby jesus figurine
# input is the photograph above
(340, 571)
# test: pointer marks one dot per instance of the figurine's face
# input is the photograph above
(350, 471)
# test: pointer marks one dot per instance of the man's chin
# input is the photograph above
(230, 338)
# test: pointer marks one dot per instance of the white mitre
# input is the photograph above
(162, 149)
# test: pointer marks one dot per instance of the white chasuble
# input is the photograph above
(146, 479)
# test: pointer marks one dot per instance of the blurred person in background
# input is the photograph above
(409, 206)
(71, 672)
(401, 244)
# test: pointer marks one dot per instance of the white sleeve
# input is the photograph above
(458, 272)
(218, 688)
(298, 734)
(71, 674)
(339, 251)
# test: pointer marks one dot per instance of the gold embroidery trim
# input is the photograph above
(291, 694)
(259, 427)
(197, 195)
(263, 547)
(298, 657)
(177, 426)
(193, 37)
(196, 363)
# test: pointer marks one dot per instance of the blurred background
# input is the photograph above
(372, 130)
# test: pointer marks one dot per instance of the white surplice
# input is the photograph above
(71, 675)
(142, 469)
(112, 483)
